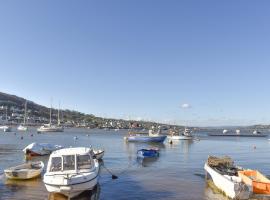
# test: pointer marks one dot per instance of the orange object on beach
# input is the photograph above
(257, 181)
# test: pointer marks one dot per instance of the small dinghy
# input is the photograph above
(225, 177)
(71, 171)
(25, 171)
(257, 182)
(40, 149)
(147, 153)
(98, 153)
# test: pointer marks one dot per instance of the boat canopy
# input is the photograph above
(71, 159)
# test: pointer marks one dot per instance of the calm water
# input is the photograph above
(176, 174)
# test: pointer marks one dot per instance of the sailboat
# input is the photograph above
(50, 127)
(23, 127)
(6, 128)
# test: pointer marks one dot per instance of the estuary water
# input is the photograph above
(177, 174)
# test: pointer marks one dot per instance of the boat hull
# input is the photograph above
(49, 130)
(22, 172)
(72, 190)
(180, 137)
(147, 153)
(158, 139)
(231, 185)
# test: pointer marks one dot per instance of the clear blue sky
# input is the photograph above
(141, 59)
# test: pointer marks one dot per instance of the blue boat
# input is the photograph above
(148, 153)
(141, 138)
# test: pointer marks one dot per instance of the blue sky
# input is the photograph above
(141, 59)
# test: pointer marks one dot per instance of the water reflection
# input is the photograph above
(186, 145)
(146, 162)
(33, 183)
(86, 195)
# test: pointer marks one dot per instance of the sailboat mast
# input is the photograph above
(6, 113)
(51, 113)
(58, 121)
(25, 108)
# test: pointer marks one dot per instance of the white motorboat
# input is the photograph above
(71, 171)
(225, 131)
(25, 171)
(40, 149)
(5, 128)
(98, 153)
(23, 127)
(227, 181)
(184, 136)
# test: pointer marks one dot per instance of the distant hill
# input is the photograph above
(40, 114)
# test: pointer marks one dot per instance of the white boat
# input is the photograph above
(25, 171)
(71, 171)
(184, 136)
(23, 127)
(5, 128)
(225, 131)
(153, 136)
(237, 131)
(229, 183)
(98, 153)
(40, 149)
(50, 127)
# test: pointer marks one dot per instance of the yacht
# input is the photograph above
(71, 171)
(50, 127)
(5, 127)
(23, 127)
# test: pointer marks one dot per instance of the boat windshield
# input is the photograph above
(69, 162)
(56, 164)
(83, 162)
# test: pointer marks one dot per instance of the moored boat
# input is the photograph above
(6, 128)
(225, 131)
(40, 149)
(256, 181)
(225, 177)
(98, 153)
(71, 171)
(186, 135)
(151, 137)
(23, 127)
(25, 171)
(47, 128)
(148, 153)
